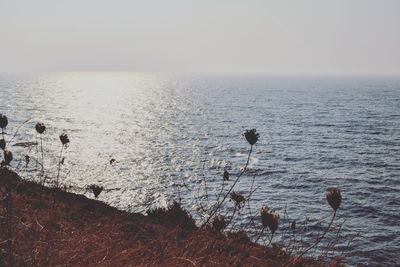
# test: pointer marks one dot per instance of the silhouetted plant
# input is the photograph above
(2, 144)
(3, 125)
(225, 178)
(173, 215)
(251, 192)
(64, 143)
(226, 175)
(27, 160)
(270, 220)
(252, 137)
(237, 198)
(64, 139)
(40, 129)
(334, 199)
(3, 121)
(8, 157)
(96, 189)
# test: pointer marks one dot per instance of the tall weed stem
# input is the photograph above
(219, 204)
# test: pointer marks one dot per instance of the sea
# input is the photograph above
(150, 139)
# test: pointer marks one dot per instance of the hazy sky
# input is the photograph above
(298, 36)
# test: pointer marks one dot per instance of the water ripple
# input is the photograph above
(167, 130)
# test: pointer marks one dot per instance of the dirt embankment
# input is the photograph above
(51, 227)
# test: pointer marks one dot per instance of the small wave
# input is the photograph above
(259, 172)
(324, 125)
(293, 159)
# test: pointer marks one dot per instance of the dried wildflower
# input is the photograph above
(226, 175)
(96, 190)
(64, 139)
(40, 128)
(219, 223)
(251, 136)
(8, 157)
(265, 216)
(334, 198)
(2, 144)
(3, 121)
(238, 198)
(269, 218)
(274, 226)
(27, 159)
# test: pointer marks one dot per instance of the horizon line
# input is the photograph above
(229, 73)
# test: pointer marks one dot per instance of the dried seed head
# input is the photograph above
(238, 198)
(2, 144)
(265, 216)
(64, 139)
(251, 136)
(96, 190)
(334, 198)
(219, 223)
(40, 128)
(3, 121)
(269, 219)
(226, 175)
(275, 219)
(27, 159)
(8, 157)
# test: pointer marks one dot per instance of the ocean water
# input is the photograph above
(172, 136)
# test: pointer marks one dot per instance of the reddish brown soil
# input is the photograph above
(51, 227)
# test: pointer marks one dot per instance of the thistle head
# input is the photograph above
(8, 157)
(265, 217)
(269, 218)
(64, 139)
(275, 220)
(3, 121)
(251, 136)
(334, 197)
(237, 198)
(96, 190)
(226, 175)
(40, 128)
(2, 144)
(219, 223)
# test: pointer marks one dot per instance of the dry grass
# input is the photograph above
(51, 227)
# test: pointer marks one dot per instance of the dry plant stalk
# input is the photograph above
(252, 138)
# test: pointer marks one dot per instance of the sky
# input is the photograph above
(201, 36)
